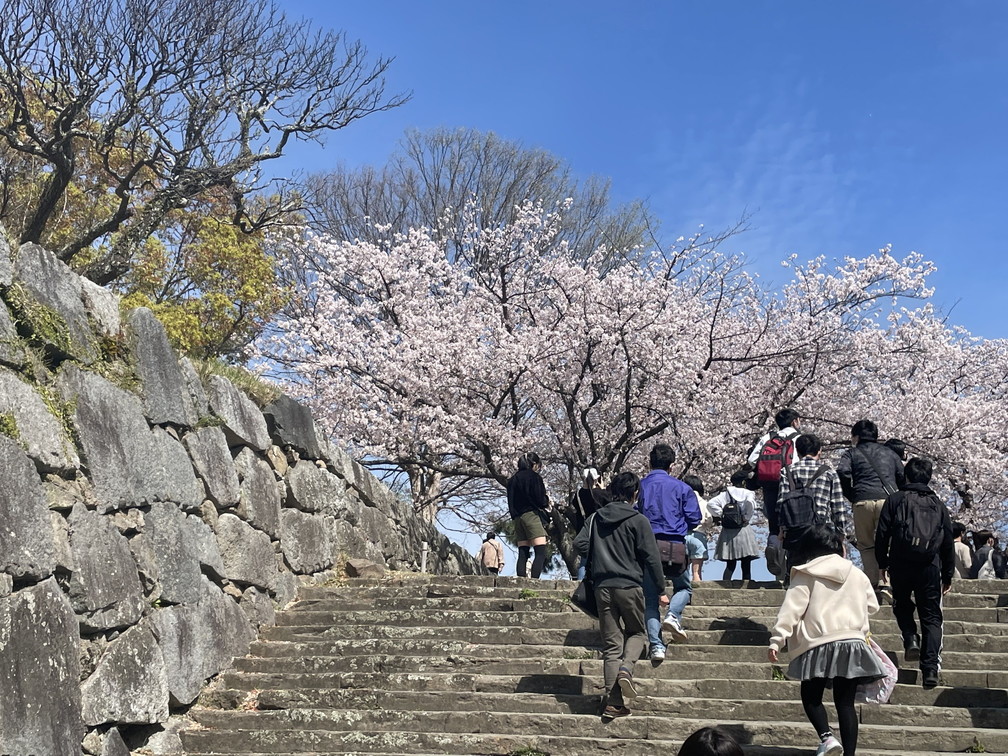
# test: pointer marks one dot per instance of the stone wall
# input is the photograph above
(151, 521)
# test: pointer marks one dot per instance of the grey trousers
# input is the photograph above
(624, 637)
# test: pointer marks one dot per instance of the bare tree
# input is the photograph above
(166, 100)
(436, 177)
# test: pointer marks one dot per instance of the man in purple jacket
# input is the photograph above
(672, 509)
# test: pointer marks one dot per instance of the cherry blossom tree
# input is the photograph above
(447, 371)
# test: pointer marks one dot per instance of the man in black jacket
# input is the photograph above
(914, 545)
(869, 472)
(622, 546)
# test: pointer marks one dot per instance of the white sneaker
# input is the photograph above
(657, 654)
(672, 627)
(830, 747)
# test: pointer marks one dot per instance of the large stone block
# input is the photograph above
(51, 304)
(172, 475)
(313, 489)
(291, 424)
(243, 422)
(129, 685)
(27, 543)
(351, 542)
(258, 608)
(259, 492)
(305, 541)
(12, 351)
(102, 305)
(39, 431)
(199, 640)
(181, 544)
(116, 442)
(163, 387)
(39, 673)
(209, 451)
(105, 587)
(197, 395)
(247, 553)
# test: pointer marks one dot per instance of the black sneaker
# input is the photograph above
(929, 678)
(614, 712)
(911, 648)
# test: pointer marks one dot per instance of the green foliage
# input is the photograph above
(61, 410)
(528, 593)
(977, 746)
(260, 391)
(8, 426)
(212, 286)
(39, 323)
(777, 673)
(528, 751)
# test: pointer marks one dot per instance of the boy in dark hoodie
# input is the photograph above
(623, 546)
(913, 544)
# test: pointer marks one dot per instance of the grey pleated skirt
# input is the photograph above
(852, 659)
(735, 544)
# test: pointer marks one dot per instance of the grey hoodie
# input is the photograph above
(623, 546)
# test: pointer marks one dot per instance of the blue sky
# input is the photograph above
(840, 126)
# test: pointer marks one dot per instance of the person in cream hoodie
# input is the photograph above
(824, 624)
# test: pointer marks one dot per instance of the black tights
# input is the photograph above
(538, 561)
(729, 569)
(843, 698)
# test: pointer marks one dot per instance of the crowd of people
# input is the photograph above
(644, 542)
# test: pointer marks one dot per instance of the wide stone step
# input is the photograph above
(511, 613)
(504, 732)
(680, 706)
(963, 660)
(748, 635)
(671, 669)
(435, 585)
(561, 685)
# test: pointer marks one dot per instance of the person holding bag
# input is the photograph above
(824, 622)
(623, 548)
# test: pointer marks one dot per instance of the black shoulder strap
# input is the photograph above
(822, 468)
(874, 467)
(591, 540)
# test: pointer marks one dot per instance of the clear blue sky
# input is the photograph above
(840, 126)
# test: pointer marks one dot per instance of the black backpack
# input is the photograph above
(731, 514)
(797, 509)
(918, 532)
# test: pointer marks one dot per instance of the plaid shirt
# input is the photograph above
(825, 490)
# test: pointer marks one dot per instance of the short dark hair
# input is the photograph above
(786, 417)
(820, 539)
(918, 470)
(624, 486)
(958, 530)
(865, 430)
(808, 444)
(710, 741)
(662, 456)
(528, 460)
(490, 536)
(694, 482)
(898, 445)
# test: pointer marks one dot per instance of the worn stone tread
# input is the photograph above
(493, 666)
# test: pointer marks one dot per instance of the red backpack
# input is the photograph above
(776, 453)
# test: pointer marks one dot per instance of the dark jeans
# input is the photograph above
(771, 491)
(621, 622)
(919, 587)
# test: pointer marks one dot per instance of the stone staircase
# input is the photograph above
(482, 665)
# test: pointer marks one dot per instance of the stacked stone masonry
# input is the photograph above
(151, 522)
